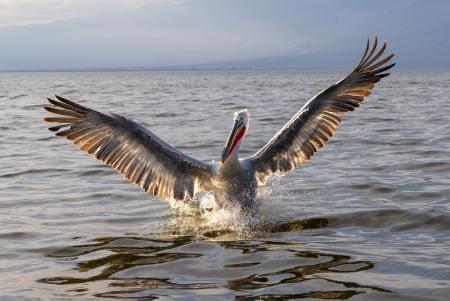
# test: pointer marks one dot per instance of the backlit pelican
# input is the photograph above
(146, 160)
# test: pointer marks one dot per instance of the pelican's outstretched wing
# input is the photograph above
(138, 154)
(316, 122)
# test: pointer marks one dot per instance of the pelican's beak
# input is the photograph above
(235, 136)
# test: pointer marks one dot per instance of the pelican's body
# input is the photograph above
(146, 160)
(236, 182)
(234, 179)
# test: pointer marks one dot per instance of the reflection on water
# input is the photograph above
(139, 267)
(251, 263)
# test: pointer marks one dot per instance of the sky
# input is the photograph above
(24, 12)
(140, 34)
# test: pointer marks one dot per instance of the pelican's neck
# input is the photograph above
(233, 158)
(231, 166)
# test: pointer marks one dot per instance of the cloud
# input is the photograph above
(158, 33)
(25, 12)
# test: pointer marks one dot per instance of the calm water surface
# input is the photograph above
(367, 219)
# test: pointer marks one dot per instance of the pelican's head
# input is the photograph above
(240, 127)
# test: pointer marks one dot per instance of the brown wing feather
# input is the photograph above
(316, 122)
(138, 154)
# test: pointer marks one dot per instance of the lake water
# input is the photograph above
(368, 218)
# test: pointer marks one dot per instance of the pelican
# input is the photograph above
(158, 168)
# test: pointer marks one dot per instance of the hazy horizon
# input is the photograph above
(100, 35)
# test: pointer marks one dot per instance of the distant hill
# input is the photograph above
(318, 60)
(234, 34)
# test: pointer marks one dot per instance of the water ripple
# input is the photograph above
(366, 219)
(33, 171)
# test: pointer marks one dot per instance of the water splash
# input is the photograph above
(272, 182)
(208, 216)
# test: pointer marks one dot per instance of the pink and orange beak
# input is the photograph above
(235, 136)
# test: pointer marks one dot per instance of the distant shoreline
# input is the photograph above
(105, 70)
